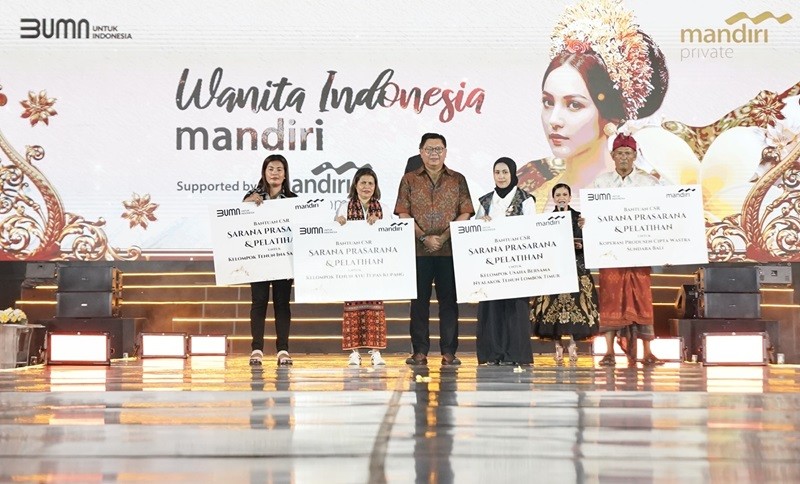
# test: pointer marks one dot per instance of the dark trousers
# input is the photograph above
(259, 292)
(439, 269)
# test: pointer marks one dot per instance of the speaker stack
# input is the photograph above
(88, 301)
(728, 292)
(723, 300)
(88, 292)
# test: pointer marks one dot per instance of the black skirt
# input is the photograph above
(504, 332)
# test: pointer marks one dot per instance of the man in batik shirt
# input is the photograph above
(434, 195)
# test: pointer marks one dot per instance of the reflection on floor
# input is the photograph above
(215, 419)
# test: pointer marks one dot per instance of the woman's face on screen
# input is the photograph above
(570, 118)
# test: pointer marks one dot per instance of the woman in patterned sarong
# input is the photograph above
(572, 315)
(364, 322)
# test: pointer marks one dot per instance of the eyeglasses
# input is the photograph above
(438, 150)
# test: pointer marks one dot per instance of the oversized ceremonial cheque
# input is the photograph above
(513, 257)
(643, 226)
(254, 242)
(355, 261)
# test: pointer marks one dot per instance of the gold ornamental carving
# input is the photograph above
(38, 227)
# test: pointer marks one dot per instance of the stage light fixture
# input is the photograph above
(208, 345)
(735, 348)
(163, 345)
(78, 348)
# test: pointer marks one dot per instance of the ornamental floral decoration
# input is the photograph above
(139, 210)
(38, 107)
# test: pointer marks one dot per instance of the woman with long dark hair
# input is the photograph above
(274, 184)
(590, 89)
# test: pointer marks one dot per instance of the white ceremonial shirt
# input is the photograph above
(500, 205)
(636, 178)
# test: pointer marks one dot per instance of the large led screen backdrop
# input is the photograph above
(122, 122)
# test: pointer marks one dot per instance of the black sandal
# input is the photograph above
(651, 360)
(608, 360)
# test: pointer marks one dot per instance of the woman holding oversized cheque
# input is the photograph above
(364, 322)
(274, 183)
(504, 330)
(575, 314)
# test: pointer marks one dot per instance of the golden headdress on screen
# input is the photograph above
(607, 28)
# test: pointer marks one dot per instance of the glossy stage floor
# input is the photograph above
(215, 419)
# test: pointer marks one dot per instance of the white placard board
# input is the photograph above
(354, 262)
(643, 226)
(514, 257)
(254, 242)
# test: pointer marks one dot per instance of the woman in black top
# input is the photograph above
(572, 315)
(274, 184)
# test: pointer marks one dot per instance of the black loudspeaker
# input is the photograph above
(122, 332)
(729, 305)
(89, 278)
(686, 303)
(87, 305)
(40, 270)
(727, 279)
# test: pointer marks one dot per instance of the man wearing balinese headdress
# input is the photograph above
(626, 302)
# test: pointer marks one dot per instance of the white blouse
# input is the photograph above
(500, 205)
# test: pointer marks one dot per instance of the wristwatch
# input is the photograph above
(422, 238)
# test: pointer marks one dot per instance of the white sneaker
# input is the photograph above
(284, 359)
(376, 358)
(255, 357)
(355, 359)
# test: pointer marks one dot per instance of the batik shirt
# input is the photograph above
(433, 207)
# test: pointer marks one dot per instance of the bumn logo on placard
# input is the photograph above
(311, 230)
(593, 197)
(228, 212)
(467, 229)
